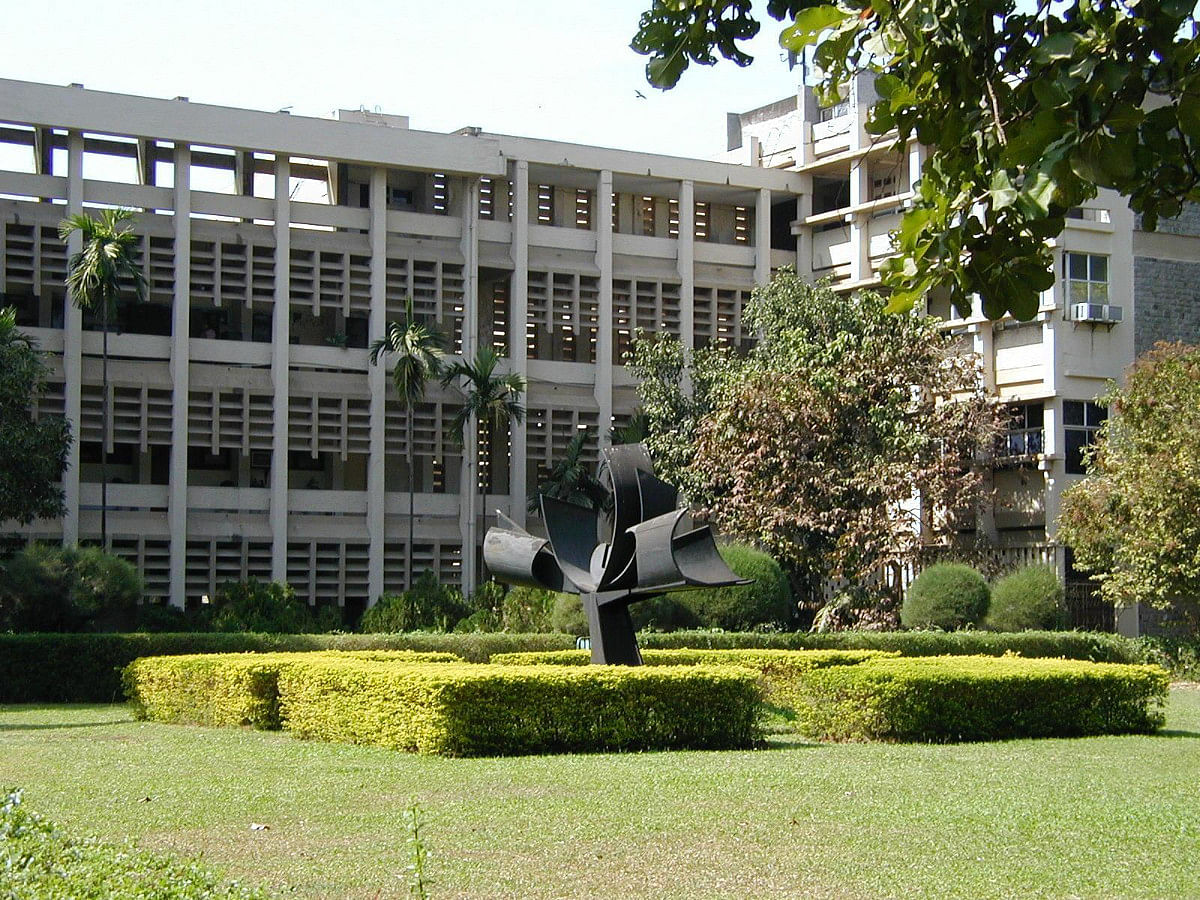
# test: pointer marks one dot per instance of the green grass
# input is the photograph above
(1092, 817)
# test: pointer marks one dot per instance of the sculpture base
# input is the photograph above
(614, 642)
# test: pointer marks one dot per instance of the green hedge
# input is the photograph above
(85, 668)
(1093, 646)
(230, 688)
(944, 699)
(454, 710)
(484, 710)
(782, 671)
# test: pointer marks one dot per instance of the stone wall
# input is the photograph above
(1167, 301)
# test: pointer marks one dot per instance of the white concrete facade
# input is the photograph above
(249, 435)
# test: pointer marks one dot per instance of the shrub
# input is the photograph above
(229, 688)
(426, 606)
(504, 710)
(945, 596)
(38, 860)
(767, 603)
(568, 615)
(979, 698)
(85, 668)
(47, 588)
(781, 670)
(268, 608)
(1030, 598)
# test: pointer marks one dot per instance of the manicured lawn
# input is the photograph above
(1094, 817)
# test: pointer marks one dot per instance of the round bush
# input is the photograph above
(946, 596)
(426, 606)
(767, 603)
(1028, 599)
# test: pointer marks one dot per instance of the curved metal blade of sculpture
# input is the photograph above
(636, 545)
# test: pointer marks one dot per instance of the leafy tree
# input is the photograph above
(105, 265)
(1133, 521)
(572, 478)
(426, 606)
(489, 398)
(47, 588)
(815, 444)
(419, 359)
(33, 453)
(1025, 108)
(268, 607)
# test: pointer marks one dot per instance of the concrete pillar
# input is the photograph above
(470, 513)
(177, 501)
(280, 338)
(518, 349)
(73, 349)
(762, 237)
(860, 223)
(377, 384)
(604, 338)
(804, 236)
(686, 265)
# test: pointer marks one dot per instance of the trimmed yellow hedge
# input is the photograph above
(230, 688)
(973, 698)
(782, 671)
(488, 710)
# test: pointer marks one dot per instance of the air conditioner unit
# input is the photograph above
(1101, 313)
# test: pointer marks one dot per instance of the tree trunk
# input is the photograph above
(408, 571)
(104, 427)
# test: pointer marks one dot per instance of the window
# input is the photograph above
(1086, 277)
(1024, 434)
(1081, 421)
(829, 113)
(487, 198)
(700, 225)
(741, 225)
(545, 204)
(646, 208)
(583, 209)
(441, 194)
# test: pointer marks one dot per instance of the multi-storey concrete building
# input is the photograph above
(249, 436)
(1120, 289)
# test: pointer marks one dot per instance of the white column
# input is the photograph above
(180, 345)
(604, 337)
(518, 348)
(804, 240)
(280, 336)
(686, 263)
(73, 350)
(762, 237)
(470, 514)
(377, 384)
(860, 223)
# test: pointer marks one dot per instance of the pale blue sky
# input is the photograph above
(560, 70)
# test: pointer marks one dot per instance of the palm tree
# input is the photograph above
(571, 479)
(419, 359)
(488, 398)
(105, 265)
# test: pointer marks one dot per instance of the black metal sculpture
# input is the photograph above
(636, 545)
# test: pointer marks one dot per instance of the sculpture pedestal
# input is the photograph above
(614, 642)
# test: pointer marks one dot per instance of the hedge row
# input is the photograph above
(782, 671)
(231, 689)
(85, 668)
(458, 710)
(944, 699)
